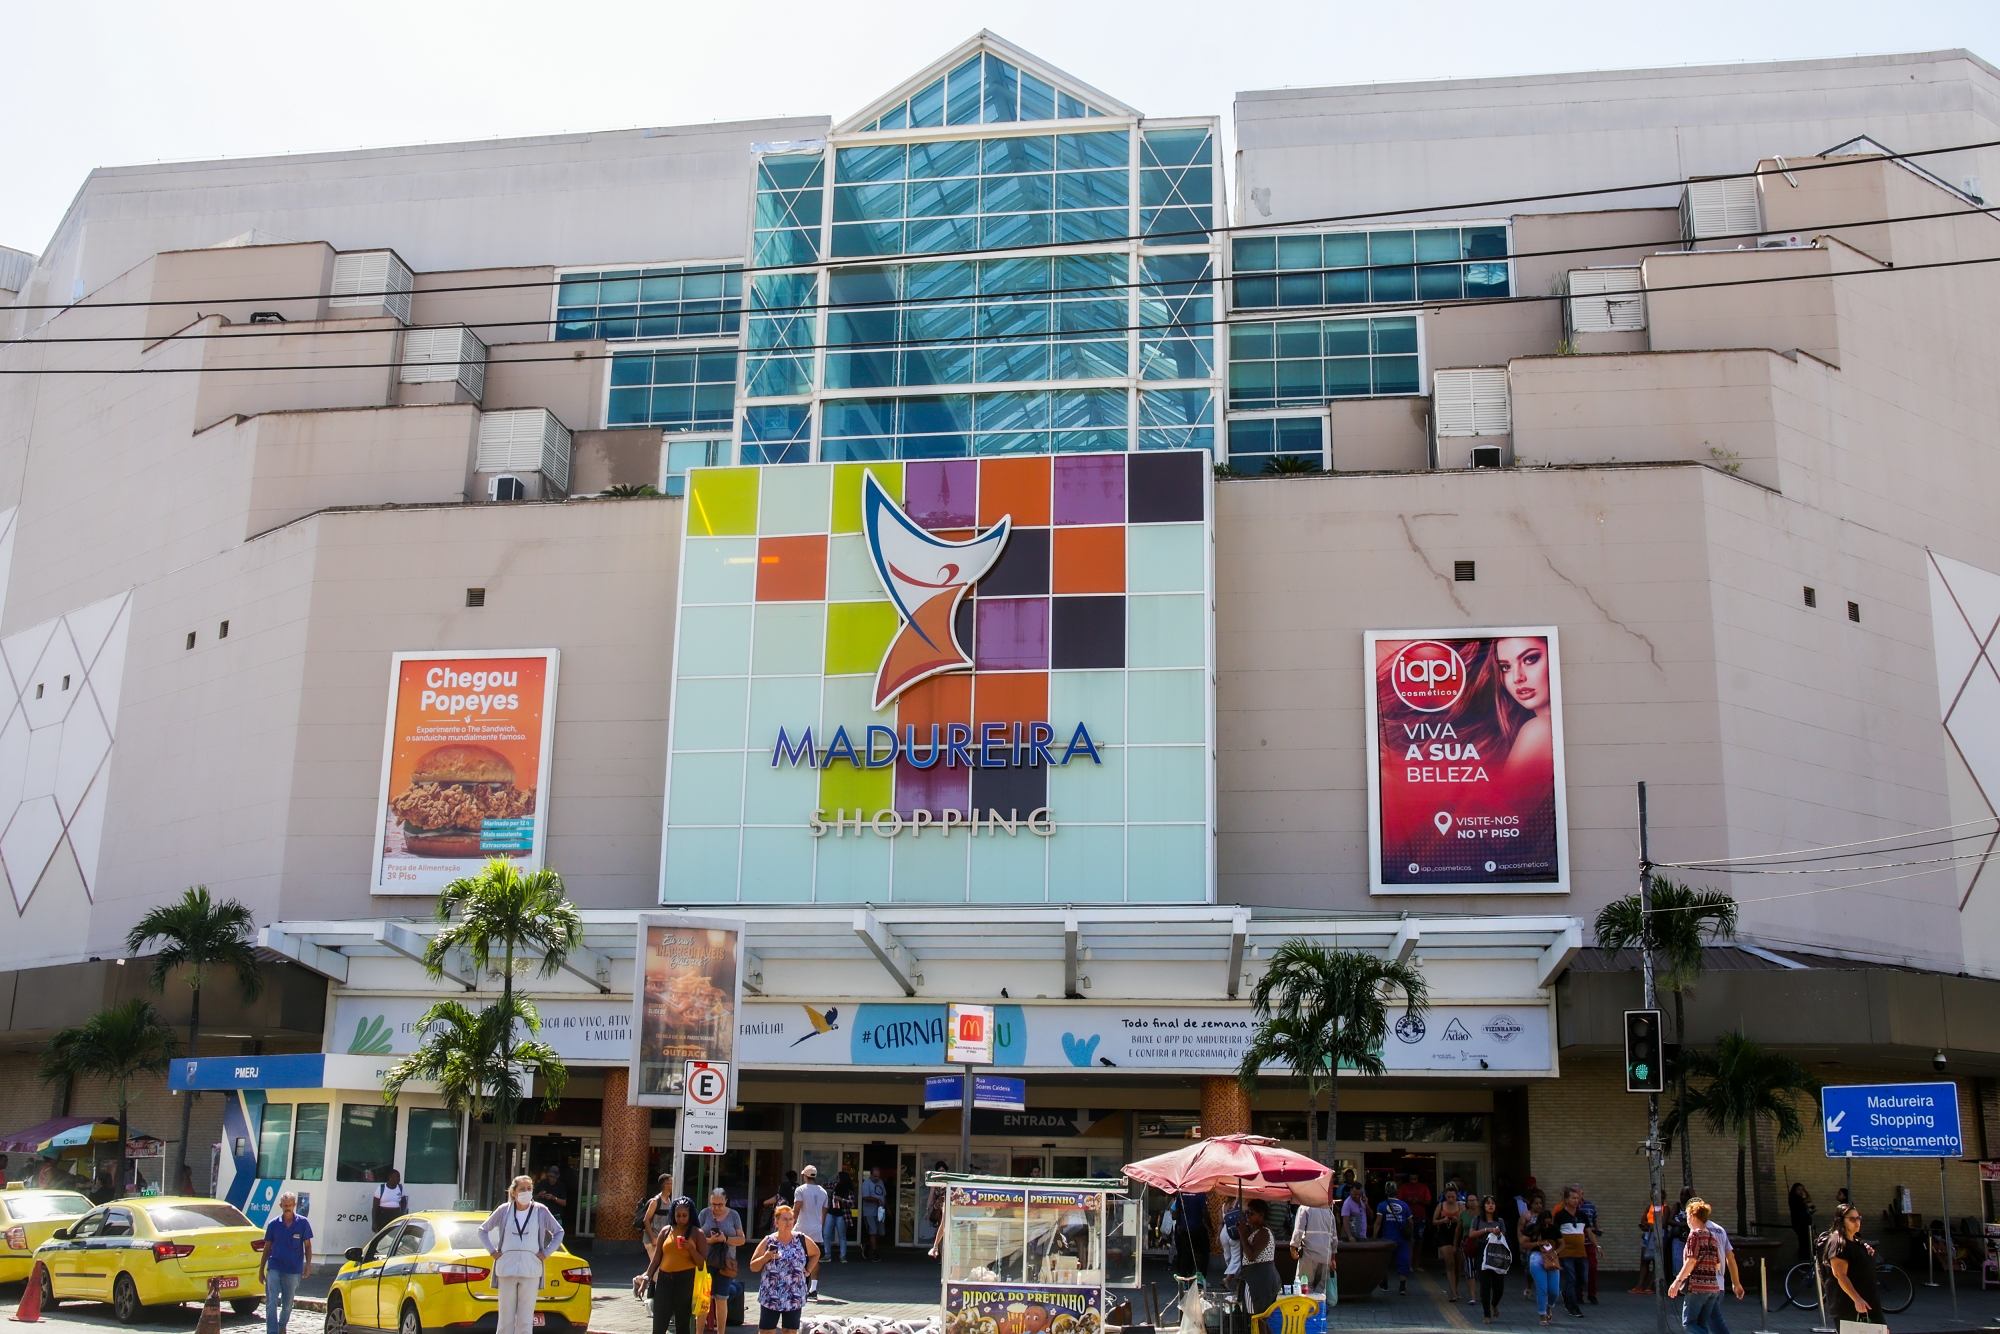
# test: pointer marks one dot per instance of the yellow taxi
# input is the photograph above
(430, 1271)
(153, 1250)
(27, 1219)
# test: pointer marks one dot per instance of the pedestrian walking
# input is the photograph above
(809, 1215)
(1734, 1280)
(1495, 1256)
(520, 1235)
(1700, 1274)
(1677, 1228)
(1852, 1261)
(1314, 1247)
(785, 1262)
(1800, 1202)
(1445, 1235)
(722, 1229)
(388, 1202)
(874, 1209)
(1394, 1222)
(1354, 1213)
(1593, 1238)
(1541, 1239)
(1259, 1251)
(840, 1201)
(1417, 1194)
(1528, 1232)
(1572, 1253)
(654, 1216)
(285, 1258)
(1232, 1250)
(1645, 1283)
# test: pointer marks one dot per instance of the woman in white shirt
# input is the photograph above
(520, 1236)
(391, 1201)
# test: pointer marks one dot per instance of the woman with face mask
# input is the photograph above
(520, 1236)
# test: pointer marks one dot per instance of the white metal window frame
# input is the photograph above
(725, 456)
(1254, 313)
(1133, 246)
(1472, 401)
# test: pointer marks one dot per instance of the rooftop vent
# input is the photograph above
(1722, 207)
(439, 356)
(525, 440)
(1472, 402)
(1606, 301)
(372, 278)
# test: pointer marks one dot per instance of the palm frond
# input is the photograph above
(1340, 994)
(198, 932)
(1683, 922)
(1736, 1082)
(117, 1044)
(484, 915)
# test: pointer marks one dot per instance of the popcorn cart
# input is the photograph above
(1032, 1255)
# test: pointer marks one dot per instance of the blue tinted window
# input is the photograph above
(1176, 317)
(677, 391)
(1177, 419)
(955, 425)
(1254, 443)
(781, 335)
(676, 302)
(779, 434)
(985, 90)
(1306, 362)
(790, 198)
(1360, 268)
(1176, 186)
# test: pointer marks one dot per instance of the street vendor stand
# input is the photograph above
(1034, 1255)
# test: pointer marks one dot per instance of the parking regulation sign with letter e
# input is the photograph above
(704, 1117)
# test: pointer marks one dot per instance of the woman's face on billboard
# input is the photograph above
(1524, 668)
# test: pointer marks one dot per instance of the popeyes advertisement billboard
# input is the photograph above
(1465, 790)
(465, 766)
(687, 983)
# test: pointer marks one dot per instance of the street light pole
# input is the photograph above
(1655, 1157)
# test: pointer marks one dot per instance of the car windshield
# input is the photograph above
(463, 1235)
(35, 1208)
(192, 1217)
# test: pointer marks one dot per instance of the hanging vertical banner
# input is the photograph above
(1465, 788)
(465, 766)
(687, 991)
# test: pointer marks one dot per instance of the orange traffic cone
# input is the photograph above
(211, 1311)
(30, 1309)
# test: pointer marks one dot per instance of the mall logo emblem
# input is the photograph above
(926, 577)
(1410, 1029)
(1502, 1028)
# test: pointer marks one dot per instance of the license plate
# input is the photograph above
(227, 1281)
(541, 1318)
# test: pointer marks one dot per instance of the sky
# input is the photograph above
(107, 84)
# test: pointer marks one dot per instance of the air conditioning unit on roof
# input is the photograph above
(442, 355)
(1728, 206)
(1610, 300)
(528, 443)
(1472, 401)
(372, 278)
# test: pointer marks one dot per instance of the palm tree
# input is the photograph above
(1340, 994)
(1286, 1041)
(198, 933)
(1744, 1082)
(492, 917)
(117, 1044)
(461, 1051)
(1684, 921)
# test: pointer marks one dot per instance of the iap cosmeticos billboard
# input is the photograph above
(1465, 785)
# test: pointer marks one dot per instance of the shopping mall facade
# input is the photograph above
(949, 666)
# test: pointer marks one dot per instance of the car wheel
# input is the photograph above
(412, 1322)
(336, 1314)
(125, 1303)
(243, 1305)
(49, 1302)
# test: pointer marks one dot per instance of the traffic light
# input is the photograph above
(1644, 1069)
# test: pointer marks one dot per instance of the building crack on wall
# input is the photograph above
(1652, 651)
(1410, 535)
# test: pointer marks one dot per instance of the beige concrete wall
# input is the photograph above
(1785, 315)
(1371, 434)
(1835, 192)
(248, 369)
(234, 282)
(566, 378)
(302, 462)
(500, 305)
(1551, 244)
(1716, 408)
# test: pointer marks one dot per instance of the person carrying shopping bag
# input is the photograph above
(520, 1235)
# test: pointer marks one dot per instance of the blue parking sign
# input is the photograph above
(1891, 1120)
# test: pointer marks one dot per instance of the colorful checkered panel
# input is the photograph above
(1057, 751)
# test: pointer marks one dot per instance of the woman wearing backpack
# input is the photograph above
(1496, 1258)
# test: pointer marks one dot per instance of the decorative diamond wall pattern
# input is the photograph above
(1965, 615)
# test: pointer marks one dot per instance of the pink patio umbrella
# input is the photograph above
(1254, 1165)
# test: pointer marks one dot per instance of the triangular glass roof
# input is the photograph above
(986, 82)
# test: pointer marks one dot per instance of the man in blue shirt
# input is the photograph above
(1394, 1222)
(286, 1257)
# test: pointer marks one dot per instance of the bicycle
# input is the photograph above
(1894, 1287)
